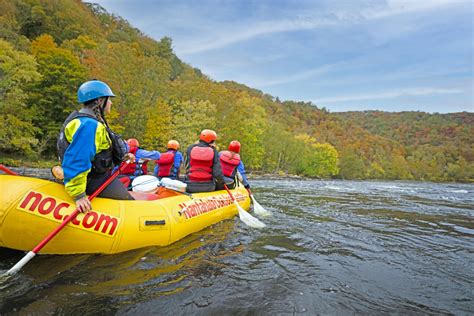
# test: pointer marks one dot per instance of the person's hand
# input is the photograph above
(84, 205)
(130, 157)
(58, 172)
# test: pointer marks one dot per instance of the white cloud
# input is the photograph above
(407, 6)
(238, 33)
(388, 95)
(294, 77)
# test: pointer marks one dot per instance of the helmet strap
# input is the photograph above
(101, 108)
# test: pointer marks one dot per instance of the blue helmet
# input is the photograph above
(93, 89)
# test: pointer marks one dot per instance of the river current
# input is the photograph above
(330, 247)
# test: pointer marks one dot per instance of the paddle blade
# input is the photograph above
(258, 209)
(248, 219)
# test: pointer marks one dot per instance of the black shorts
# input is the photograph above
(195, 187)
(115, 190)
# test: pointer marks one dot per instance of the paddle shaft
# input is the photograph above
(76, 211)
(51, 235)
(230, 193)
(8, 171)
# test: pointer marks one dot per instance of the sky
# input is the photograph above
(344, 55)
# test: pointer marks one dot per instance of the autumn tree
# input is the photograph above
(158, 127)
(55, 95)
(246, 122)
(315, 159)
(189, 118)
(18, 72)
(137, 80)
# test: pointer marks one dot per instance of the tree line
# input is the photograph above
(48, 48)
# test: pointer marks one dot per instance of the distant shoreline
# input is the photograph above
(45, 173)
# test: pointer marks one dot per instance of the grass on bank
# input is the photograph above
(30, 162)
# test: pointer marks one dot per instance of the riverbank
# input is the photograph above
(41, 168)
(45, 173)
(42, 173)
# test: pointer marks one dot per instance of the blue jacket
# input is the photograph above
(86, 137)
(145, 155)
(241, 170)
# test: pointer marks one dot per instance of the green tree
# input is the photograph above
(54, 97)
(352, 164)
(135, 78)
(190, 118)
(17, 73)
(245, 122)
(158, 128)
(80, 46)
(314, 159)
(278, 145)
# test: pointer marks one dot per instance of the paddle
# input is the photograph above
(51, 235)
(245, 216)
(257, 208)
(8, 171)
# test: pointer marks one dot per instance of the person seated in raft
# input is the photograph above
(170, 162)
(88, 149)
(138, 168)
(203, 169)
(232, 164)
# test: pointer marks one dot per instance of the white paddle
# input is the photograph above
(245, 216)
(257, 208)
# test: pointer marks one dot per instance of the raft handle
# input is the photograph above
(149, 223)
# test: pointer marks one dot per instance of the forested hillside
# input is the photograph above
(49, 47)
(436, 146)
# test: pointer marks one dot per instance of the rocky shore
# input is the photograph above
(43, 173)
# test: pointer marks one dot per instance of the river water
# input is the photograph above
(331, 247)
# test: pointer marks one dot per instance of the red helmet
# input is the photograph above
(234, 146)
(208, 135)
(132, 142)
(173, 144)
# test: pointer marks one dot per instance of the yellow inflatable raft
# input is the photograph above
(31, 208)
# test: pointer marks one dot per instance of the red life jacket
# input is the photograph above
(229, 161)
(166, 163)
(132, 167)
(200, 164)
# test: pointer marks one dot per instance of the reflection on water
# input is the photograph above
(330, 247)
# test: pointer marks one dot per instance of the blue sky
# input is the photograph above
(393, 55)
